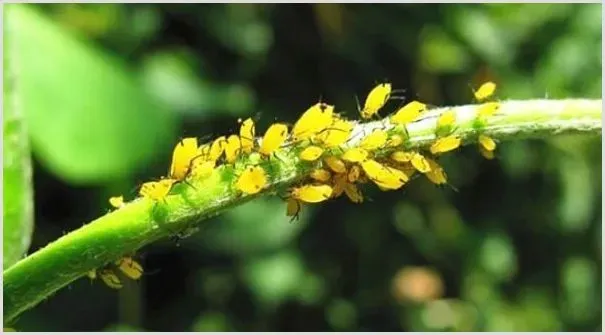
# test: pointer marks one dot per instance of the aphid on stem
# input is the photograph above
(376, 99)
(274, 137)
(485, 91)
(252, 180)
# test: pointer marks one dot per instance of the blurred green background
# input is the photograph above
(109, 89)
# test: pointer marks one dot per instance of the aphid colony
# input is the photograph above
(323, 142)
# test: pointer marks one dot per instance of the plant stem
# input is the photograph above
(142, 221)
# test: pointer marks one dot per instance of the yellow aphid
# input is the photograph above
(485, 91)
(394, 141)
(312, 193)
(487, 142)
(117, 202)
(400, 175)
(372, 168)
(377, 139)
(354, 173)
(183, 154)
(402, 156)
(252, 180)
(392, 179)
(313, 121)
(355, 155)
(447, 119)
(336, 134)
(130, 267)
(110, 278)
(485, 153)
(321, 175)
(375, 100)
(335, 164)
(157, 190)
(311, 153)
(408, 113)
(437, 174)
(445, 144)
(420, 163)
(293, 207)
(487, 109)
(353, 193)
(201, 168)
(233, 147)
(274, 137)
(247, 134)
(217, 148)
(384, 176)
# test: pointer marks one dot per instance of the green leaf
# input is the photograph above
(18, 200)
(89, 119)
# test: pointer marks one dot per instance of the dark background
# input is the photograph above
(518, 247)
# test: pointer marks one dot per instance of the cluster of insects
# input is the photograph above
(339, 159)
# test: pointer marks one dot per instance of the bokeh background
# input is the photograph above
(110, 89)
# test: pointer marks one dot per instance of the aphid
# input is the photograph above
(117, 202)
(420, 163)
(377, 139)
(487, 142)
(313, 121)
(353, 193)
(201, 168)
(446, 120)
(110, 278)
(337, 134)
(321, 175)
(247, 134)
(130, 267)
(484, 91)
(445, 144)
(394, 141)
(184, 152)
(408, 113)
(293, 208)
(394, 180)
(375, 100)
(252, 180)
(311, 193)
(487, 109)
(311, 153)
(217, 148)
(402, 156)
(274, 137)
(233, 148)
(335, 164)
(353, 174)
(355, 155)
(437, 174)
(384, 176)
(157, 190)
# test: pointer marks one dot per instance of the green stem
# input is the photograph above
(142, 221)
